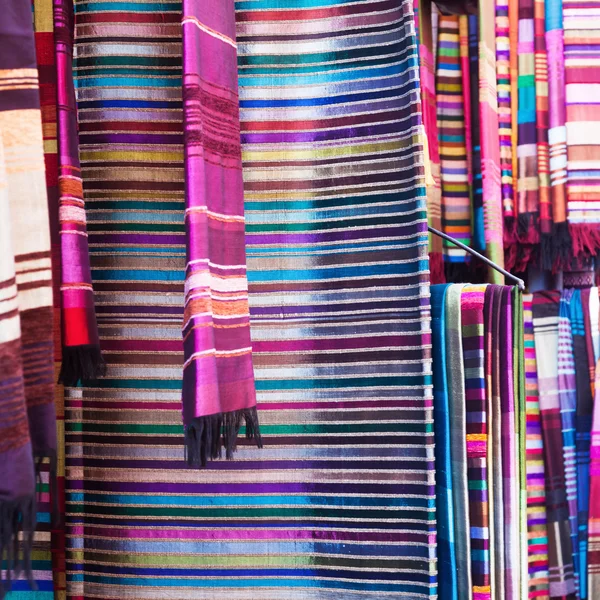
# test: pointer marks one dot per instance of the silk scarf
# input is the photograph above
(446, 549)
(218, 380)
(560, 552)
(594, 517)
(472, 325)
(458, 433)
(567, 394)
(82, 360)
(28, 426)
(537, 525)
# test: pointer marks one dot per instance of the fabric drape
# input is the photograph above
(28, 426)
(594, 517)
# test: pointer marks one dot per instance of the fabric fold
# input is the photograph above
(218, 380)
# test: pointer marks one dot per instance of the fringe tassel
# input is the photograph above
(562, 246)
(546, 252)
(436, 268)
(81, 363)
(206, 436)
(17, 521)
(527, 228)
(585, 238)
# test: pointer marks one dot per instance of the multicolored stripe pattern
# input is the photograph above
(537, 528)
(456, 204)
(472, 305)
(337, 503)
(594, 518)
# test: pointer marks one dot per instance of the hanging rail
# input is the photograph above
(520, 283)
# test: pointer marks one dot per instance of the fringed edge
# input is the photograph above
(206, 436)
(436, 268)
(81, 363)
(585, 238)
(527, 232)
(17, 527)
(546, 252)
(562, 246)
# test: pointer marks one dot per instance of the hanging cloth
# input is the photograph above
(218, 379)
(458, 433)
(28, 425)
(594, 518)
(560, 553)
(537, 525)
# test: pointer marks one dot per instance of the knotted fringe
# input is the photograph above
(528, 228)
(546, 252)
(206, 436)
(81, 363)
(585, 238)
(562, 246)
(17, 521)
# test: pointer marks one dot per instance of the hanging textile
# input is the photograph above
(472, 323)
(503, 76)
(582, 63)
(490, 141)
(537, 528)
(427, 47)
(545, 326)
(336, 503)
(594, 517)
(456, 209)
(446, 551)
(458, 435)
(561, 248)
(567, 395)
(583, 425)
(81, 347)
(527, 181)
(28, 426)
(218, 377)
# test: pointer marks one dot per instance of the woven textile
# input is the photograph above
(458, 434)
(537, 528)
(545, 326)
(218, 378)
(594, 318)
(557, 134)
(582, 69)
(446, 551)
(472, 324)
(583, 425)
(567, 394)
(594, 519)
(27, 427)
(490, 140)
(527, 181)
(337, 503)
(427, 49)
(503, 75)
(81, 350)
(456, 207)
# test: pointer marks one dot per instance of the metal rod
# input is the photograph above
(520, 283)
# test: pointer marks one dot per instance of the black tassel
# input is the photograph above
(206, 436)
(17, 520)
(546, 252)
(562, 246)
(80, 364)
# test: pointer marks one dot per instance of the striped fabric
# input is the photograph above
(427, 47)
(338, 503)
(490, 140)
(456, 208)
(503, 76)
(583, 426)
(582, 93)
(527, 181)
(537, 528)
(458, 435)
(446, 549)
(567, 394)
(27, 424)
(545, 327)
(81, 351)
(557, 132)
(541, 119)
(218, 378)
(594, 518)
(472, 323)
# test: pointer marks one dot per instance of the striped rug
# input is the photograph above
(340, 502)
